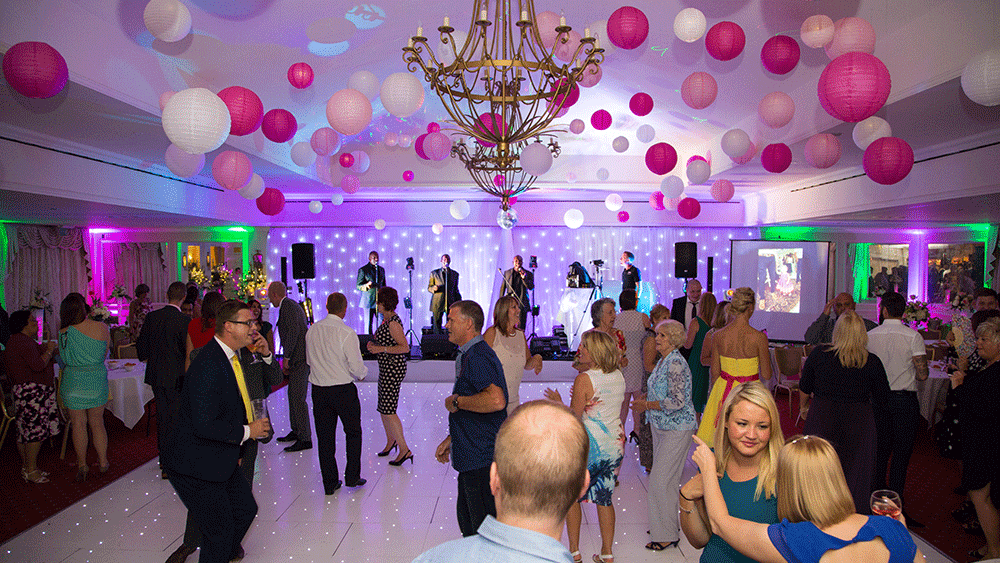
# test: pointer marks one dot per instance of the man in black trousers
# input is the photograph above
(443, 286)
(292, 331)
(371, 276)
(519, 282)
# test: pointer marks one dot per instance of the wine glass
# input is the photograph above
(886, 503)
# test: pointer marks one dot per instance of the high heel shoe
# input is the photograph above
(388, 450)
(633, 437)
(81, 474)
(104, 468)
(407, 456)
(36, 476)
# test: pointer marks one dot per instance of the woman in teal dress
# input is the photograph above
(695, 339)
(83, 346)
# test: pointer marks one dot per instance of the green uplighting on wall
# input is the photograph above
(4, 263)
(787, 232)
(861, 269)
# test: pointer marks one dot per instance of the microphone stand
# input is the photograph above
(534, 313)
(410, 335)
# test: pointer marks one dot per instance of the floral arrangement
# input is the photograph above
(119, 292)
(247, 287)
(99, 312)
(916, 312)
(961, 301)
(220, 276)
(196, 275)
(39, 302)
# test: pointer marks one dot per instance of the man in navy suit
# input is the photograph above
(212, 426)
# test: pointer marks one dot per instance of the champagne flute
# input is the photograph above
(886, 503)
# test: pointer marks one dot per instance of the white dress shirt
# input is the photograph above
(896, 345)
(229, 355)
(688, 309)
(333, 353)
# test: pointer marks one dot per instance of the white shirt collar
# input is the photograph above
(229, 351)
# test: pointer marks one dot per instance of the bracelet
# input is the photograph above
(680, 492)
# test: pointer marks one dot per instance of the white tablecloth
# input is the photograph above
(128, 394)
(933, 390)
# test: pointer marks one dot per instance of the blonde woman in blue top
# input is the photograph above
(670, 413)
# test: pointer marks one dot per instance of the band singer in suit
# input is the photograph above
(443, 286)
(371, 276)
(518, 282)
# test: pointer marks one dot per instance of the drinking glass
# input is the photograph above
(886, 503)
(254, 333)
(259, 407)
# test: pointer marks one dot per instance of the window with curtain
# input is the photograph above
(133, 263)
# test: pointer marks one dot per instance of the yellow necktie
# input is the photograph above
(242, 384)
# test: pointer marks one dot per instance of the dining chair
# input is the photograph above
(789, 361)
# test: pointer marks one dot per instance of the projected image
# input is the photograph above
(779, 282)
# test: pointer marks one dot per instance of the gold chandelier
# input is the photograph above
(502, 88)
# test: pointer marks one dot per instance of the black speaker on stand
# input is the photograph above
(708, 276)
(685, 260)
(437, 347)
(303, 261)
(284, 270)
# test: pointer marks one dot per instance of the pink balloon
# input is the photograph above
(350, 184)
(437, 146)
(776, 157)
(408, 176)
(35, 69)
(600, 119)
(628, 27)
(641, 104)
(279, 125)
(822, 150)
(699, 90)
(622, 216)
(271, 202)
(661, 158)
(854, 86)
(232, 170)
(324, 141)
(888, 160)
(245, 109)
(300, 75)
(723, 190)
(689, 208)
(780, 54)
(418, 146)
(725, 41)
(656, 201)
(347, 160)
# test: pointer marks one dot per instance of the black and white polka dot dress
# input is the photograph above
(391, 368)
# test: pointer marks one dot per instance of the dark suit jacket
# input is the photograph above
(375, 275)
(520, 288)
(292, 331)
(161, 345)
(438, 278)
(208, 428)
(679, 308)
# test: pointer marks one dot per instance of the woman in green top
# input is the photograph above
(746, 447)
(695, 339)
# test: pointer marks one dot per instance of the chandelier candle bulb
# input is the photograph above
(447, 22)
(562, 19)
(482, 15)
(586, 32)
(524, 15)
(420, 31)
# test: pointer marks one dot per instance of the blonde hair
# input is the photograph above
(706, 307)
(743, 301)
(754, 393)
(501, 317)
(850, 340)
(603, 350)
(674, 331)
(811, 484)
(721, 315)
(658, 313)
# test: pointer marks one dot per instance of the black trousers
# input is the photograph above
(192, 534)
(436, 317)
(372, 316)
(475, 500)
(222, 511)
(895, 439)
(329, 404)
(167, 400)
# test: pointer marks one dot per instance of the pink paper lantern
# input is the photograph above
(350, 184)
(776, 157)
(348, 111)
(245, 109)
(623, 216)
(324, 141)
(577, 126)
(600, 119)
(694, 158)
(776, 109)
(656, 201)
(408, 176)
(780, 54)
(437, 146)
(418, 146)
(300, 75)
(232, 170)
(279, 125)
(565, 51)
(699, 90)
(689, 208)
(747, 156)
(854, 86)
(641, 104)
(490, 125)
(547, 22)
(35, 69)
(347, 160)
(661, 158)
(628, 27)
(565, 96)
(822, 150)
(725, 41)
(512, 200)
(271, 202)
(499, 180)
(165, 97)
(433, 127)
(851, 34)
(591, 76)
(888, 160)
(723, 190)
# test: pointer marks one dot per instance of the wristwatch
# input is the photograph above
(454, 403)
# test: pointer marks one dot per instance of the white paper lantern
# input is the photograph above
(361, 162)
(337, 199)
(303, 154)
(620, 144)
(573, 218)
(577, 126)
(254, 188)
(196, 120)
(445, 54)
(390, 139)
(613, 202)
(571, 177)
(404, 141)
(776, 109)
(599, 30)
(402, 94)
(645, 133)
(981, 78)
(437, 228)
(366, 82)
(315, 206)
(817, 31)
(672, 187)
(380, 224)
(867, 130)
(735, 143)
(698, 171)
(603, 174)
(459, 209)
(183, 164)
(167, 20)
(536, 159)
(690, 25)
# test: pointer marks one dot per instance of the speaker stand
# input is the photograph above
(410, 334)
(532, 310)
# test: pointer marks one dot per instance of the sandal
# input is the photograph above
(604, 558)
(660, 546)
(577, 558)
(36, 476)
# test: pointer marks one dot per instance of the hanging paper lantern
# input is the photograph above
(822, 150)
(725, 41)
(366, 82)
(418, 147)
(656, 201)
(459, 209)
(565, 51)
(776, 157)
(854, 86)
(246, 111)
(622, 216)
(446, 53)
(670, 204)
(325, 141)
(735, 142)
(402, 94)
(690, 24)
(350, 184)
(348, 111)
(404, 141)
(183, 164)
(699, 90)
(698, 171)
(565, 96)
(512, 200)
(817, 31)
(437, 228)
(380, 224)
(271, 202)
(600, 119)
(165, 97)
(620, 144)
(408, 176)
(981, 78)
(613, 202)
(591, 76)
(346, 160)
(747, 156)
(390, 139)
(689, 208)
(254, 188)
(573, 218)
(641, 104)
(279, 125)
(547, 22)
(851, 35)
(776, 109)
(507, 218)
(196, 120)
(167, 20)
(490, 125)
(723, 190)
(315, 206)
(232, 169)
(361, 162)
(672, 187)
(577, 126)
(694, 158)
(888, 160)
(498, 181)
(603, 174)
(302, 154)
(536, 159)
(433, 127)
(437, 146)
(661, 158)
(867, 130)
(628, 27)
(337, 199)
(645, 133)
(300, 75)
(780, 54)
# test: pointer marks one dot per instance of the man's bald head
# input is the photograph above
(843, 302)
(276, 292)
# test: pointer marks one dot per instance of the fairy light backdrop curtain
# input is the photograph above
(477, 252)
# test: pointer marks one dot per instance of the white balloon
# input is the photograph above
(672, 187)
(254, 188)
(380, 224)
(335, 199)
(445, 54)
(573, 218)
(390, 139)
(645, 133)
(689, 25)
(437, 228)
(599, 30)
(404, 141)
(459, 209)
(868, 130)
(361, 162)
(698, 171)
(620, 144)
(735, 143)
(536, 159)
(302, 154)
(366, 82)
(315, 206)
(603, 174)
(571, 177)
(613, 202)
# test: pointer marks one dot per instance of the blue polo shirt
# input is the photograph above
(473, 434)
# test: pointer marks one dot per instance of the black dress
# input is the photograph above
(977, 397)
(845, 406)
(391, 368)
